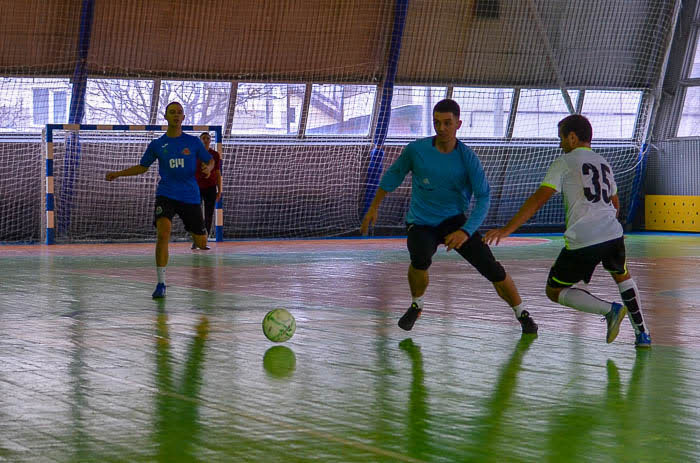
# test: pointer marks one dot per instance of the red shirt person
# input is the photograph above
(210, 186)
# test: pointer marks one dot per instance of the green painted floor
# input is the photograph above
(93, 370)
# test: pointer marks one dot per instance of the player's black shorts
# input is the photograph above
(191, 214)
(423, 241)
(576, 265)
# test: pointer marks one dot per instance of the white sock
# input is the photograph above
(161, 274)
(419, 302)
(631, 299)
(583, 301)
(519, 310)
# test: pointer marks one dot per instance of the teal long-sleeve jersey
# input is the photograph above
(442, 184)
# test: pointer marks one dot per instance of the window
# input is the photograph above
(689, 125)
(27, 104)
(118, 101)
(484, 111)
(340, 110)
(267, 109)
(412, 111)
(695, 67)
(539, 111)
(205, 103)
(269, 112)
(40, 106)
(60, 107)
(613, 114)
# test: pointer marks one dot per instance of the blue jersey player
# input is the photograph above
(445, 176)
(179, 156)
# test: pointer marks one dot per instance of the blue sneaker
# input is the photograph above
(159, 293)
(613, 320)
(642, 340)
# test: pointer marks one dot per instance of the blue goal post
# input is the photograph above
(72, 157)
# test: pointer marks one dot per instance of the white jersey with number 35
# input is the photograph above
(586, 181)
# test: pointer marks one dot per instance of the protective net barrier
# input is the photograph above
(281, 191)
(513, 179)
(292, 190)
(21, 204)
(312, 97)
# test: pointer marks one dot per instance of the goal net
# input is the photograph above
(284, 190)
(80, 205)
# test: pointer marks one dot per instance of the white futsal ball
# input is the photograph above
(279, 325)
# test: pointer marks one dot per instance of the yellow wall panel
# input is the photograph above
(672, 213)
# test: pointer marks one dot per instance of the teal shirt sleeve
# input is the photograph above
(395, 174)
(480, 189)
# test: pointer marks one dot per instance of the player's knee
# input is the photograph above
(421, 264)
(553, 293)
(620, 277)
(494, 273)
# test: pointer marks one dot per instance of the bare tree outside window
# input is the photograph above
(205, 103)
(121, 101)
(116, 101)
(15, 116)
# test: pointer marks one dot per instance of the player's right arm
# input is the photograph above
(551, 184)
(391, 179)
(370, 217)
(148, 158)
(529, 208)
(133, 170)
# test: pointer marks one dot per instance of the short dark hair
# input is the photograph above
(447, 106)
(579, 125)
(204, 133)
(172, 103)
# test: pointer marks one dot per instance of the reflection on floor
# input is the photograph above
(93, 369)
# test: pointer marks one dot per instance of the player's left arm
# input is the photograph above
(481, 190)
(527, 210)
(207, 160)
(206, 168)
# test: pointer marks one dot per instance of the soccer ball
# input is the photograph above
(279, 325)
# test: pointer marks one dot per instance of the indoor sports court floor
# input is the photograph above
(93, 369)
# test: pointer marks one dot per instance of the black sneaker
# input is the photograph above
(194, 247)
(528, 324)
(409, 318)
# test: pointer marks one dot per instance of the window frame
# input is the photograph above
(686, 82)
(301, 135)
(306, 110)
